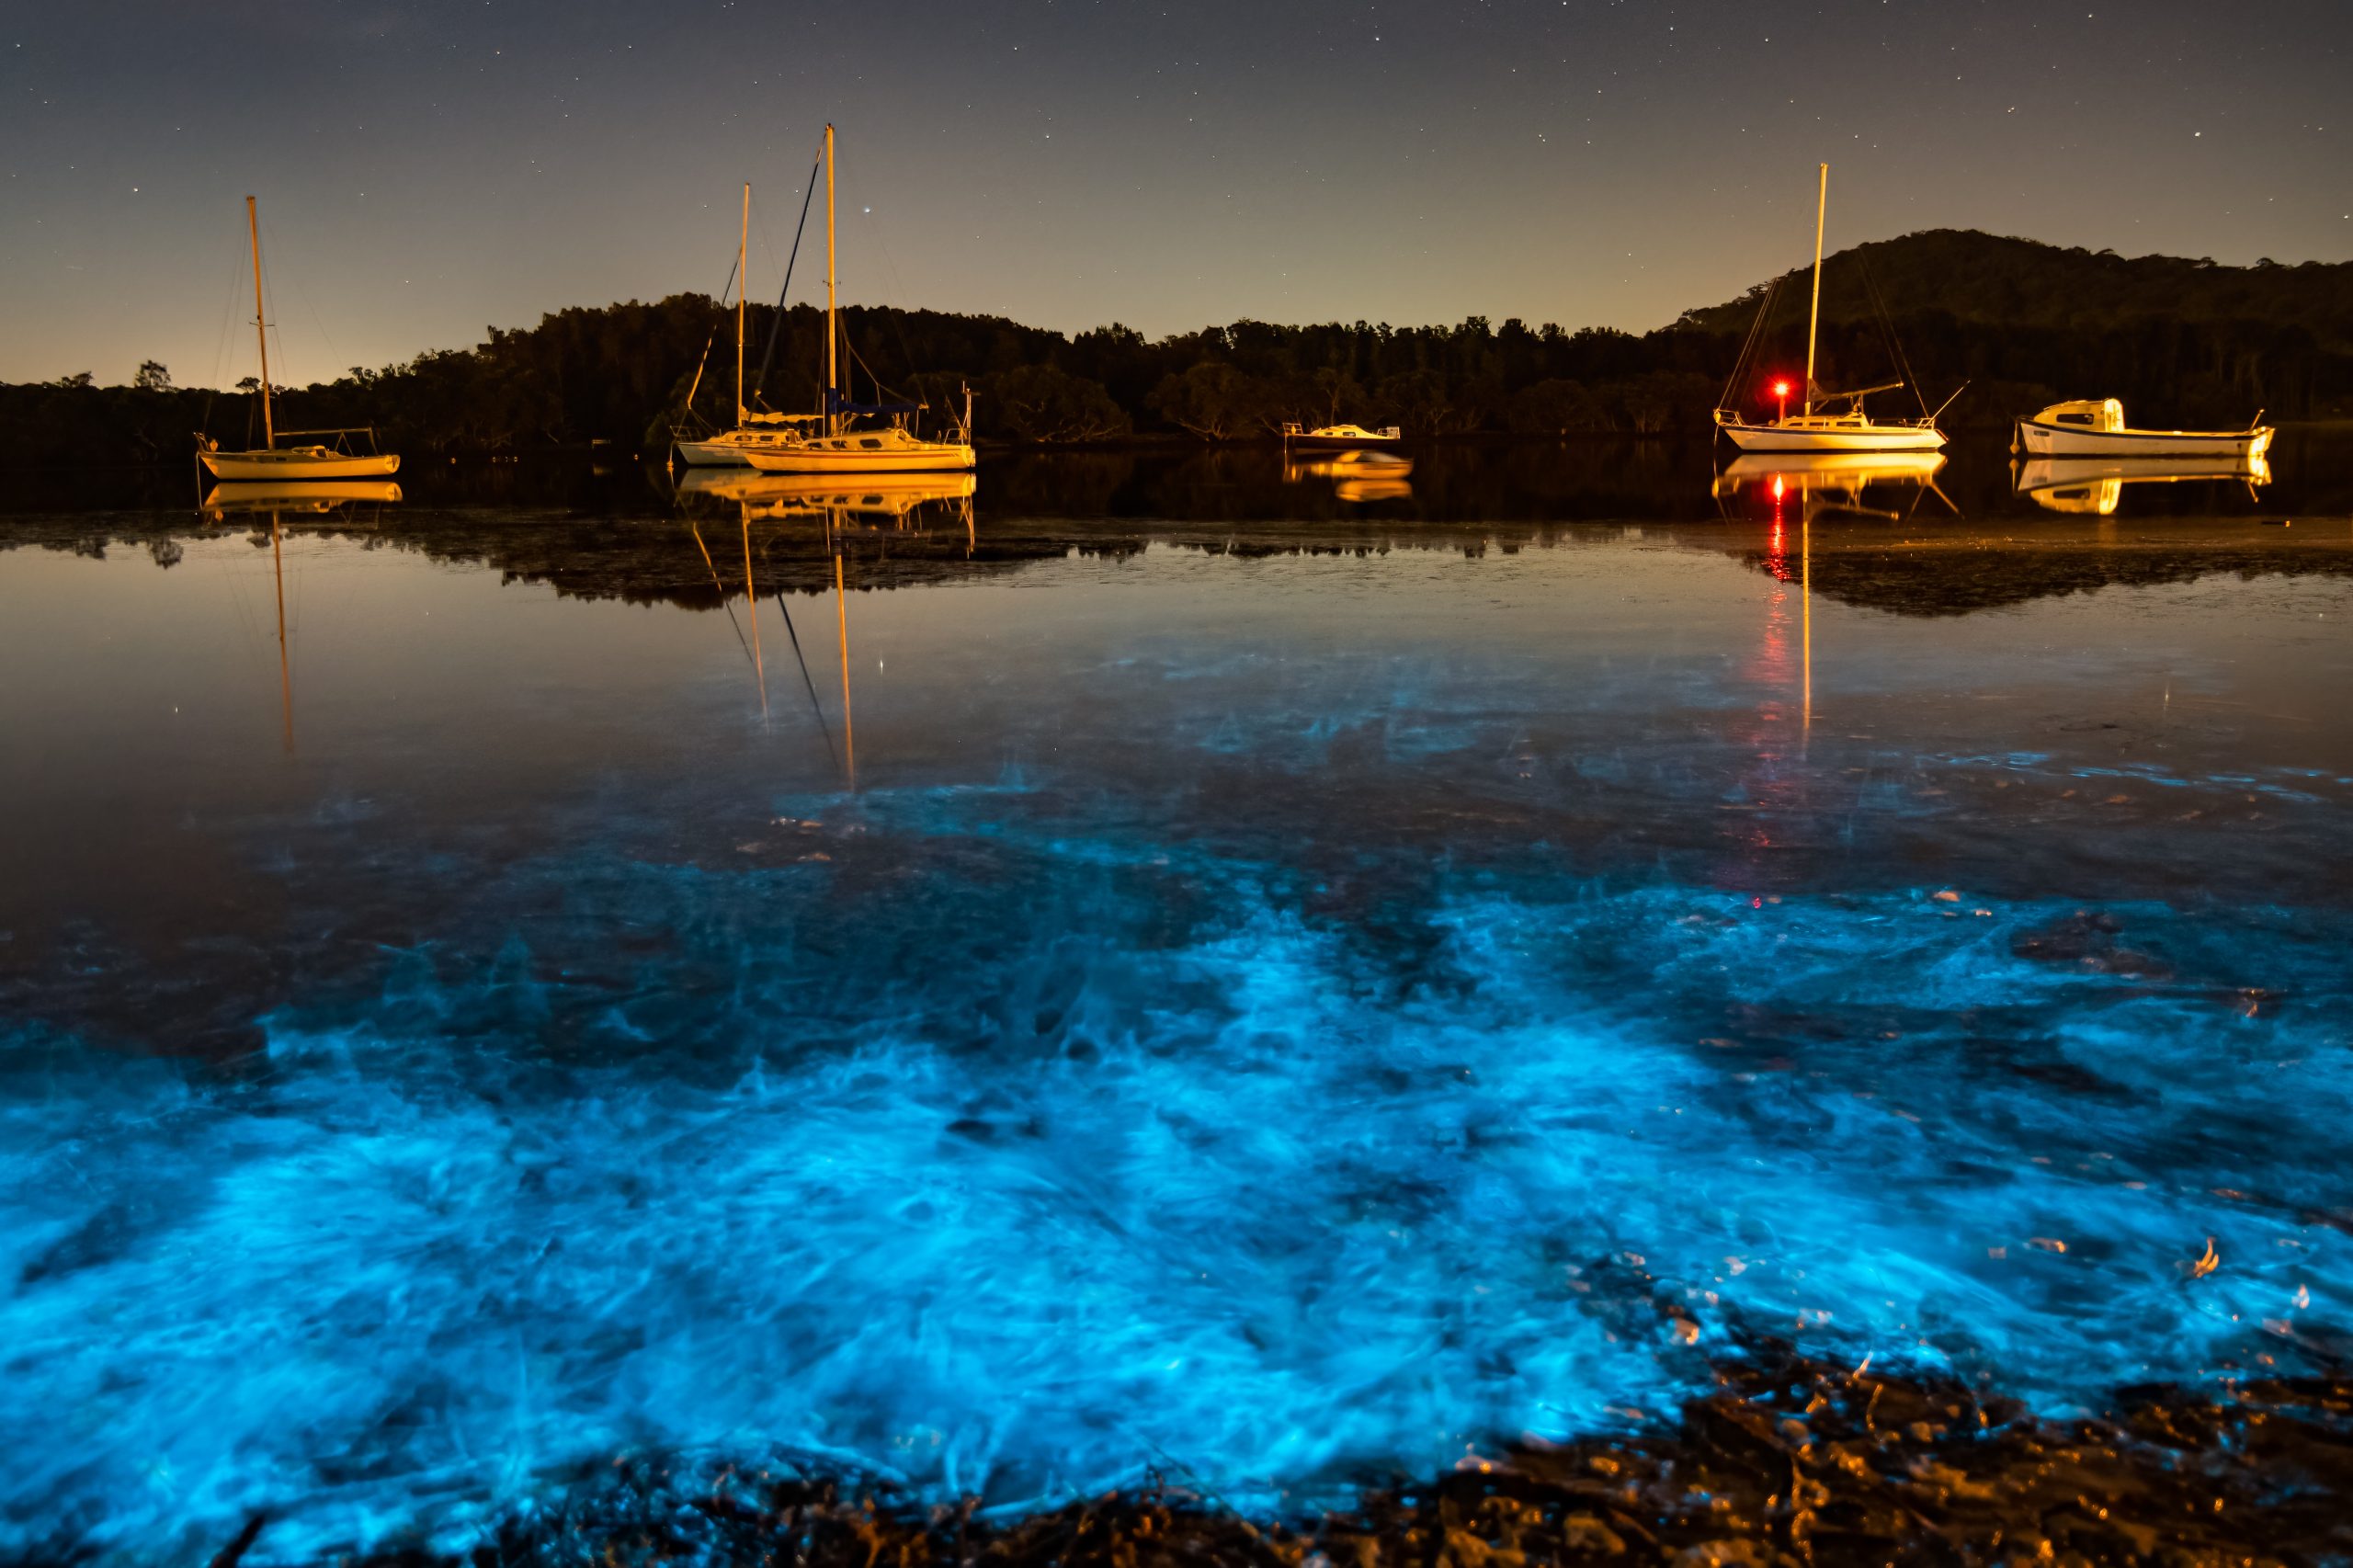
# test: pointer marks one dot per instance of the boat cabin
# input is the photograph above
(2105, 416)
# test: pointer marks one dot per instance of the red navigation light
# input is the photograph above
(1781, 389)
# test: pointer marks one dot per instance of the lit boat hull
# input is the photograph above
(841, 456)
(713, 454)
(1341, 441)
(297, 463)
(1834, 438)
(2041, 440)
(731, 449)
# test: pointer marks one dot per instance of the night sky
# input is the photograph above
(427, 168)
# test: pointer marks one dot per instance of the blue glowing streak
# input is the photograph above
(1000, 1179)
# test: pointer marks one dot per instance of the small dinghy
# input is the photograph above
(2097, 429)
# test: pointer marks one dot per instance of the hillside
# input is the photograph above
(1994, 280)
(2182, 342)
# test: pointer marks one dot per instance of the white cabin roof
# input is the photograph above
(2101, 414)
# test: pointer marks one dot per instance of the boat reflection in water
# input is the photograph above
(1833, 481)
(1820, 484)
(2095, 487)
(903, 500)
(1357, 476)
(317, 497)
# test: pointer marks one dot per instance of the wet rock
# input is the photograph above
(2088, 939)
(1789, 1462)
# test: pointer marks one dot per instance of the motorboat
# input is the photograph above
(272, 463)
(2095, 487)
(1834, 428)
(1339, 437)
(2097, 429)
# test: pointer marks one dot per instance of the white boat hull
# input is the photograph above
(310, 464)
(713, 454)
(942, 457)
(2041, 440)
(727, 449)
(1857, 438)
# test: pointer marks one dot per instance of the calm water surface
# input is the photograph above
(1169, 967)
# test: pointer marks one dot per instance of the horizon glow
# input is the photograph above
(427, 170)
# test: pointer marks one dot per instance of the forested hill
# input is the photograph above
(1993, 280)
(2182, 342)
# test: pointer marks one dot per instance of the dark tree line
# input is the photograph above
(2182, 342)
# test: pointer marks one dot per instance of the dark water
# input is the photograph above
(1225, 973)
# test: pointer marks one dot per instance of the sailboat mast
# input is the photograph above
(1814, 322)
(253, 227)
(743, 254)
(830, 305)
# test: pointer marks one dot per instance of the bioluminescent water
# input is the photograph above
(1286, 1018)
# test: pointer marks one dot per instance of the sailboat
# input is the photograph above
(839, 448)
(1848, 429)
(727, 449)
(273, 461)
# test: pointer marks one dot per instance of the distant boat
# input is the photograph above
(2097, 429)
(893, 448)
(273, 463)
(1850, 430)
(1339, 438)
(2095, 487)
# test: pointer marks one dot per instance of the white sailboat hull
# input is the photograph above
(312, 462)
(914, 457)
(713, 454)
(2038, 439)
(728, 449)
(1851, 439)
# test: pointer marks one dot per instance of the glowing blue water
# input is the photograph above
(1350, 1016)
(1014, 1183)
